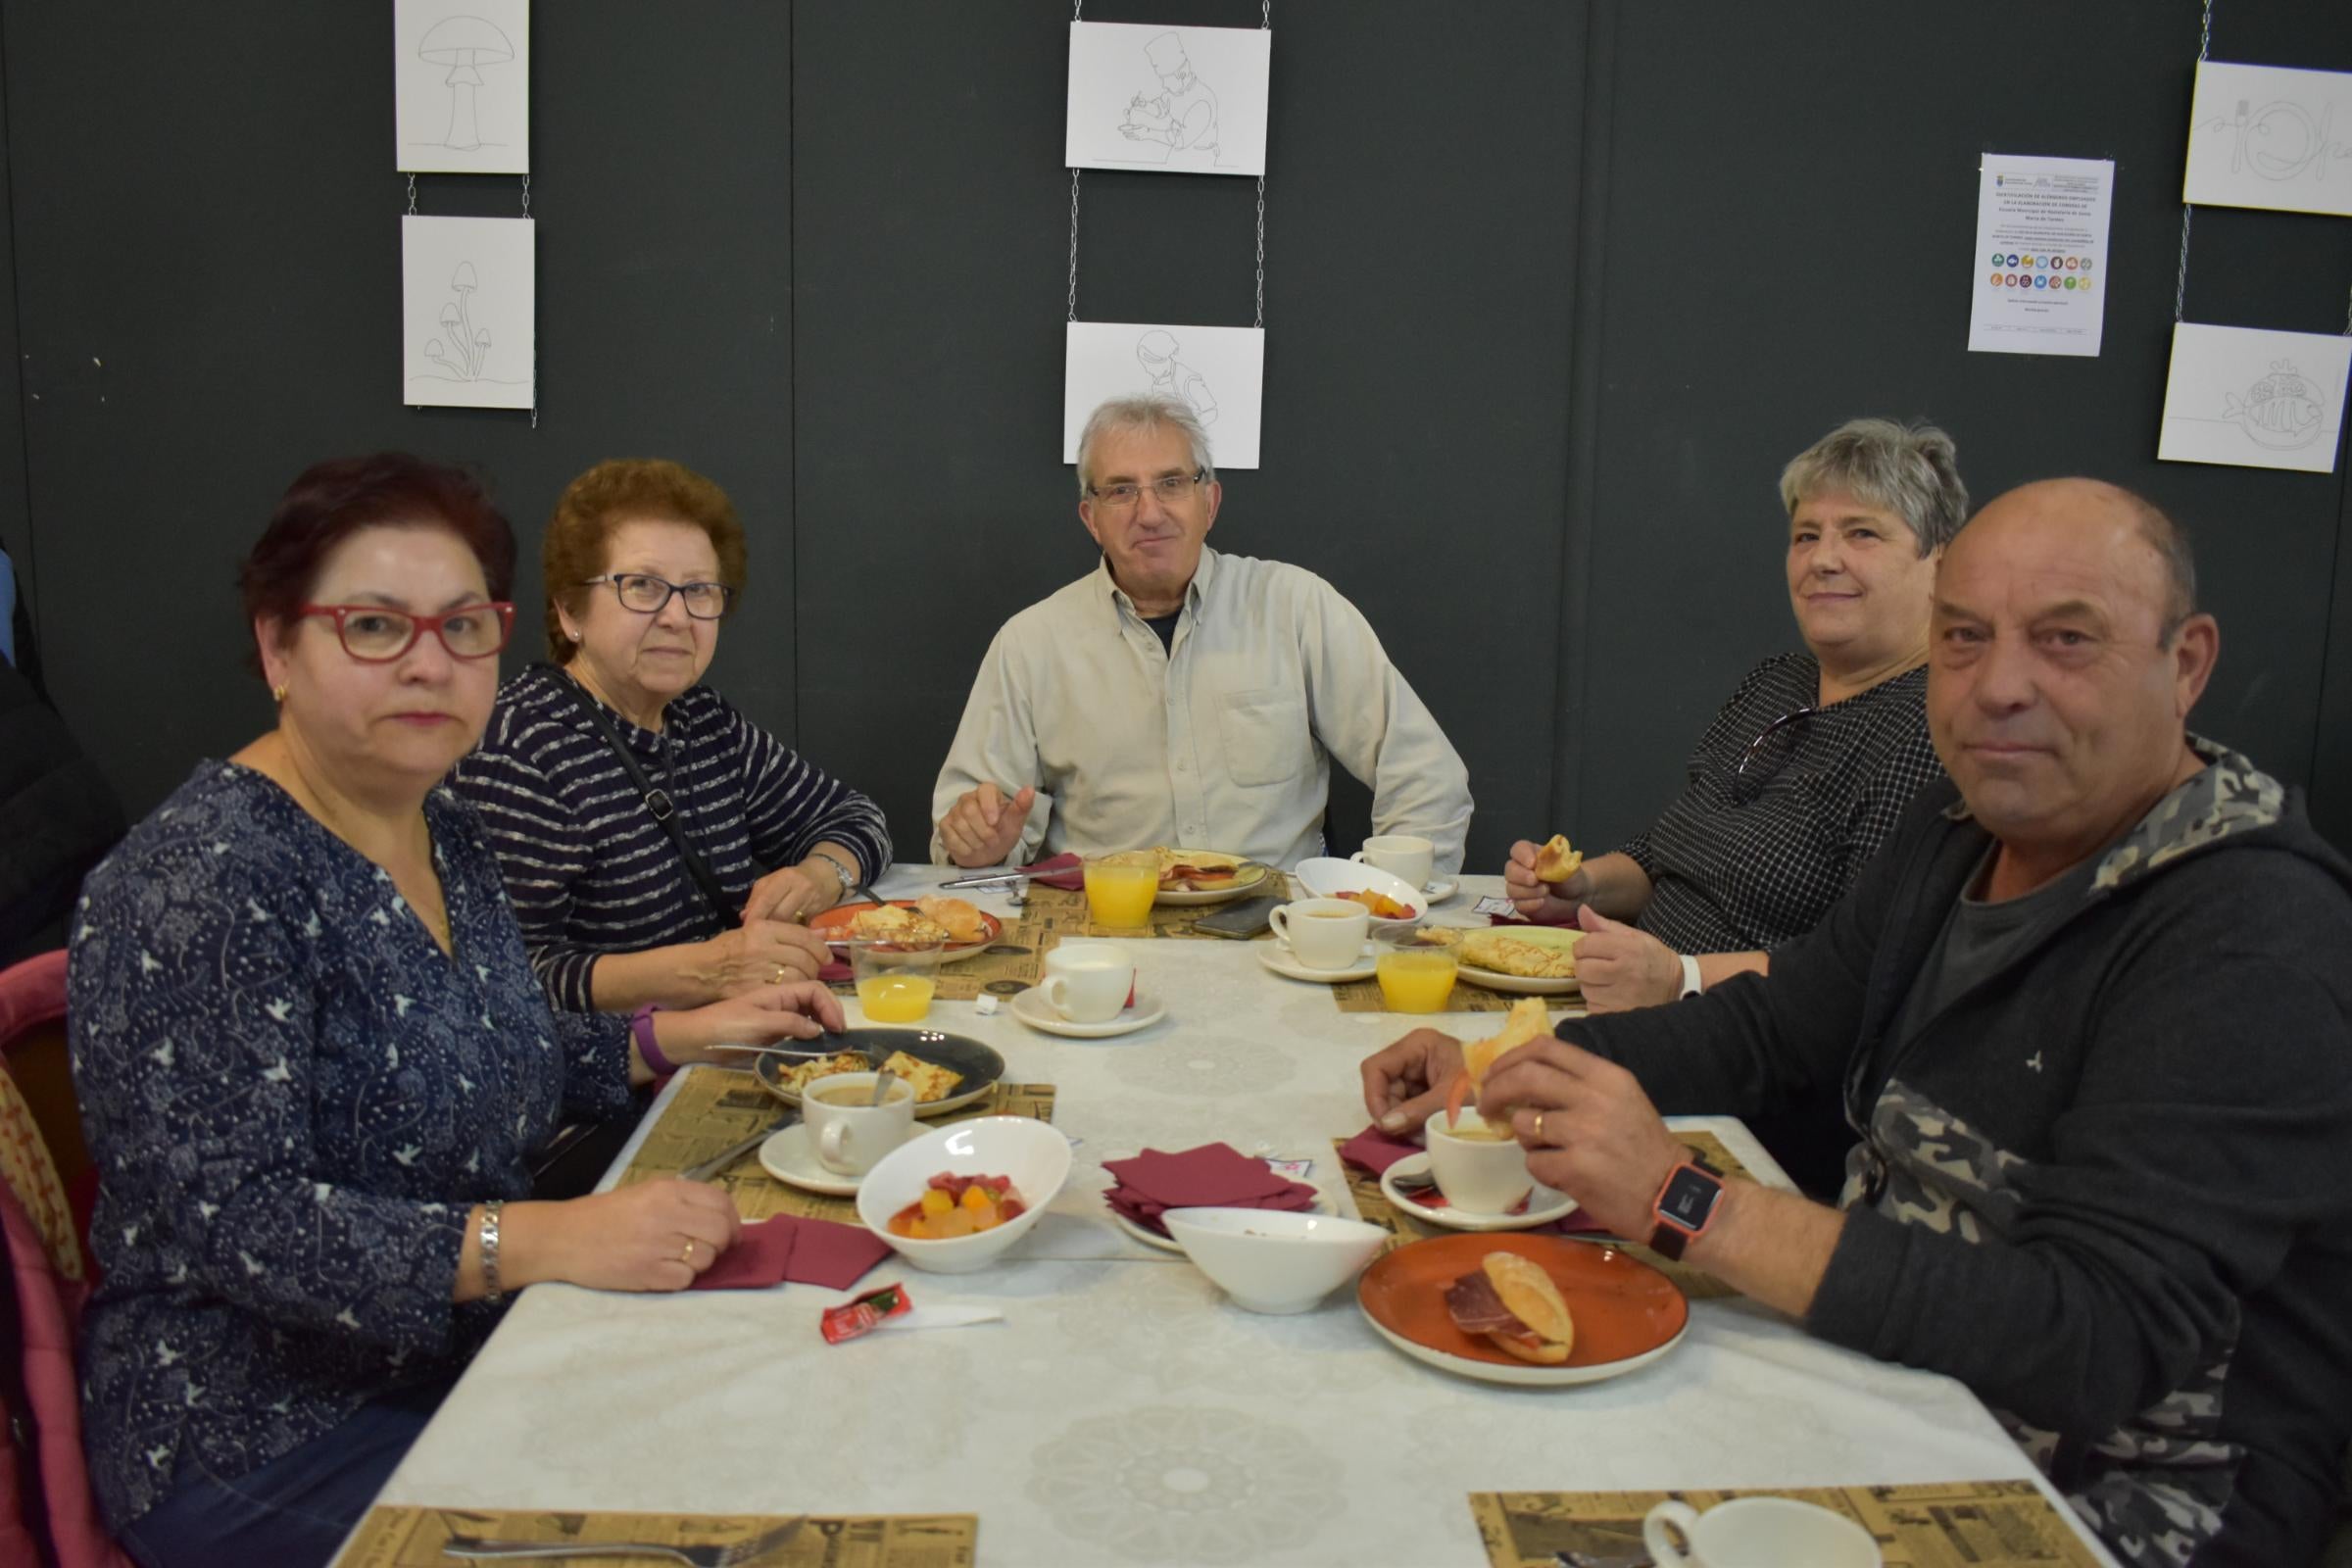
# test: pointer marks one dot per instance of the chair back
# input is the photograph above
(40, 1119)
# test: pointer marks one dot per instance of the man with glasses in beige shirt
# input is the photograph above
(1178, 696)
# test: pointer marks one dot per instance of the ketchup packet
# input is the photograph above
(864, 1315)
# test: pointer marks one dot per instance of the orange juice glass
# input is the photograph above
(896, 980)
(1416, 979)
(1120, 888)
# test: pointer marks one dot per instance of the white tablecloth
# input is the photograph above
(1124, 1412)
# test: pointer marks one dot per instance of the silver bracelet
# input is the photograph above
(848, 878)
(493, 1288)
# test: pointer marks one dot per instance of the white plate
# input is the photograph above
(1031, 1008)
(1440, 891)
(1530, 1375)
(790, 1156)
(1277, 956)
(1169, 1244)
(1520, 985)
(1243, 883)
(1326, 877)
(1543, 1206)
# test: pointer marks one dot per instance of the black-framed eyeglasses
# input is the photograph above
(374, 636)
(648, 594)
(1765, 757)
(1170, 488)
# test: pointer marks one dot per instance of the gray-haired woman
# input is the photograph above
(1808, 765)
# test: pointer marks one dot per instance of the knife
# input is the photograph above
(735, 1151)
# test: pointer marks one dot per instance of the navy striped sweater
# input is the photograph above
(588, 868)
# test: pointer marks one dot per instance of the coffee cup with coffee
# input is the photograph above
(1088, 982)
(1478, 1164)
(1402, 855)
(1757, 1533)
(1323, 933)
(848, 1130)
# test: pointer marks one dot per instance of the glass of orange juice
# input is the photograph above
(896, 979)
(1414, 978)
(1120, 888)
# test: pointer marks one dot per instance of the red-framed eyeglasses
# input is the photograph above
(375, 635)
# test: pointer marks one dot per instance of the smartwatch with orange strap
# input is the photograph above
(1686, 1205)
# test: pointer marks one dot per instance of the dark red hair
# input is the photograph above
(330, 501)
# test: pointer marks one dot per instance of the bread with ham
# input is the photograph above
(1512, 1301)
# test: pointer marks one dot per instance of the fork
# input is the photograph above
(739, 1555)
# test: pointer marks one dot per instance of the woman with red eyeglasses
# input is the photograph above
(313, 1060)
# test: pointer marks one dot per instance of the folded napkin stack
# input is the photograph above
(1212, 1176)
(1064, 871)
(788, 1250)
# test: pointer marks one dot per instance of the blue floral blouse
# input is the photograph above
(294, 1097)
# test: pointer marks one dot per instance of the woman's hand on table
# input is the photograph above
(1619, 968)
(649, 1236)
(1546, 903)
(798, 1010)
(983, 827)
(1587, 1128)
(1405, 1083)
(757, 953)
(795, 892)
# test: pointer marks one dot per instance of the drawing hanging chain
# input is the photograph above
(1261, 253)
(2187, 210)
(1073, 315)
(411, 195)
(527, 195)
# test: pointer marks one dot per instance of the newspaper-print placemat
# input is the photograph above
(413, 1537)
(1052, 914)
(1984, 1524)
(714, 1108)
(1373, 1207)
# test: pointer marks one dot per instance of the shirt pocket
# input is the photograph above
(1265, 736)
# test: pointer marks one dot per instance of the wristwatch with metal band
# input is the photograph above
(849, 878)
(1686, 1205)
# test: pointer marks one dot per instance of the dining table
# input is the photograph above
(1121, 1411)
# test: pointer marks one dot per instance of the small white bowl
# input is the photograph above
(1327, 877)
(1031, 1153)
(1270, 1261)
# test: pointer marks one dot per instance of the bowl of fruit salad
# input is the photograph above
(954, 1199)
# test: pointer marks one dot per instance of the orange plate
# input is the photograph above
(1625, 1311)
(834, 924)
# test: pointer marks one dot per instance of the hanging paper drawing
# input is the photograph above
(1184, 100)
(1218, 373)
(469, 318)
(462, 86)
(2268, 136)
(2254, 399)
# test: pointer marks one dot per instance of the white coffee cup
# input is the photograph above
(1323, 933)
(1757, 1533)
(1480, 1169)
(850, 1132)
(1088, 982)
(1401, 856)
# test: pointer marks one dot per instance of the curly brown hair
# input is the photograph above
(622, 490)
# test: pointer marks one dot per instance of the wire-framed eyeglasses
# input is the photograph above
(1766, 758)
(375, 635)
(645, 594)
(1171, 489)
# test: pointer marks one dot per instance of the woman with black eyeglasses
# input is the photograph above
(314, 1065)
(661, 849)
(1806, 769)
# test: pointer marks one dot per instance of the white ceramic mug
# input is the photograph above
(851, 1134)
(1088, 982)
(1323, 933)
(1757, 1533)
(1401, 856)
(1481, 1169)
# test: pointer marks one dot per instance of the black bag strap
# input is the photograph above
(656, 800)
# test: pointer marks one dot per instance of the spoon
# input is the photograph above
(882, 1082)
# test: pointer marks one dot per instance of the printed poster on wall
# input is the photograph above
(1216, 372)
(1172, 99)
(2041, 276)
(2266, 136)
(2253, 399)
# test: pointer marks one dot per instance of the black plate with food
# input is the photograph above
(978, 1067)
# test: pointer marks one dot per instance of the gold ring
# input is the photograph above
(687, 1257)
(1537, 1131)
(779, 979)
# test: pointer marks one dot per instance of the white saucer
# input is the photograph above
(1543, 1206)
(1031, 1008)
(1276, 956)
(1169, 1244)
(1439, 892)
(790, 1156)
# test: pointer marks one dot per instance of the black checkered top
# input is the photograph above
(1742, 862)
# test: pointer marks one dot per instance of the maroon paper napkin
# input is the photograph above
(1212, 1176)
(1568, 924)
(1064, 871)
(835, 972)
(1375, 1151)
(801, 1251)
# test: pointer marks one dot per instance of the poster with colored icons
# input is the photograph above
(2041, 273)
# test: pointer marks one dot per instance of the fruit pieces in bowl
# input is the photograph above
(1382, 906)
(956, 1206)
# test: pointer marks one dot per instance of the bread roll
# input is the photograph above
(1555, 861)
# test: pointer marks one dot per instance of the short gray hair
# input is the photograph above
(1142, 414)
(1911, 471)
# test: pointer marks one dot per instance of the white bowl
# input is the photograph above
(1270, 1261)
(1327, 877)
(1032, 1154)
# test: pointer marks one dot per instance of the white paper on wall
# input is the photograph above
(470, 322)
(1217, 372)
(2268, 136)
(1179, 100)
(462, 86)
(2254, 399)
(2040, 267)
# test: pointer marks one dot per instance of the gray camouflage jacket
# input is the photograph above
(2103, 1186)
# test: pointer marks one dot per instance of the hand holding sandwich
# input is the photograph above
(1589, 1130)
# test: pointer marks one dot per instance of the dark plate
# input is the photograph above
(980, 1065)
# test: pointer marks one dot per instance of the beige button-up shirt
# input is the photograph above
(1222, 742)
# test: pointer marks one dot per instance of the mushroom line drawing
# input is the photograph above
(463, 349)
(463, 45)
